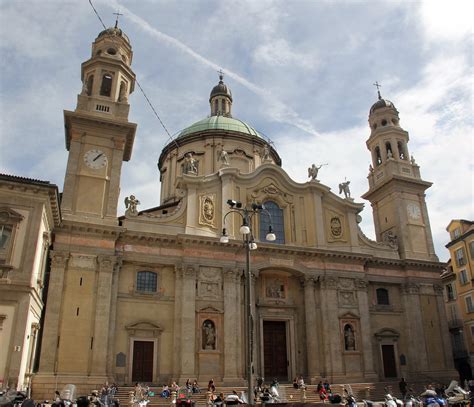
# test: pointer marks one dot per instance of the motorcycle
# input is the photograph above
(432, 399)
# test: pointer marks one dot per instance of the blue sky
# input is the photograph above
(301, 72)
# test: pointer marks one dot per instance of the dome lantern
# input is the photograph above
(220, 98)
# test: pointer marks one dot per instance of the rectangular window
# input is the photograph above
(471, 249)
(469, 304)
(146, 281)
(463, 279)
(472, 333)
(450, 292)
(460, 257)
(456, 233)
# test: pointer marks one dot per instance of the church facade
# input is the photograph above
(155, 296)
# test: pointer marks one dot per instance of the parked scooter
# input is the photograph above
(432, 399)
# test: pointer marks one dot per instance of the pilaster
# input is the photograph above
(366, 337)
(232, 318)
(414, 323)
(443, 327)
(188, 322)
(102, 315)
(50, 340)
(312, 340)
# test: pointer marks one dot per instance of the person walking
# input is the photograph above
(403, 386)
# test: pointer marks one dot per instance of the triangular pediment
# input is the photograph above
(211, 310)
(349, 315)
(143, 326)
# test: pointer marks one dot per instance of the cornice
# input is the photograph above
(75, 227)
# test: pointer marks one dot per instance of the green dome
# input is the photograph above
(219, 123)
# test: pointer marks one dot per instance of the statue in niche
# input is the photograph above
(266, 153)
(224, 157)
(190, 164)
(349, 338)
(208, 335)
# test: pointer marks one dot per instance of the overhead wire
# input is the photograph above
(139, 86)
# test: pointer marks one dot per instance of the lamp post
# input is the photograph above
(247, 213)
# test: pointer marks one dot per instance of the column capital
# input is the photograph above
(361, 285)
(59, 259)
(438, 289)
(411, 288)
(232, 275)
(328, 282)
(107, 263)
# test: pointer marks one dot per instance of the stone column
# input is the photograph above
(232, 318)
(330, 327)
(366, 333)
(443, 327)
(312, 342)
(188, 323)
(102, 315)
(418, 360)
(50, 341)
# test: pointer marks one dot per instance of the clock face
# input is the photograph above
(414, 211)
(95, 159)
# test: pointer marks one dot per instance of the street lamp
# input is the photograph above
(247, 213)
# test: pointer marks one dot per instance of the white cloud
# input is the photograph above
(446, 20)
(279, 52)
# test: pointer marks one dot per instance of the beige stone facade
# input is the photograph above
(459, 294)
(29, 211)
(154, 295)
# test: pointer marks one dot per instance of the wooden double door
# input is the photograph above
(142, 365)
(275, 354)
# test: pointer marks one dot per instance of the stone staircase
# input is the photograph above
(368, 391)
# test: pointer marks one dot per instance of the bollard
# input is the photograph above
(173, 398)
(303, 394)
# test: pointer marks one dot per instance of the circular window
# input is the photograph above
(111, 51)
(384, 122)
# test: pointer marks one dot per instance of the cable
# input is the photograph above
(139, 86)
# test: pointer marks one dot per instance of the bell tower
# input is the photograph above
(396, 190)
(98, 134)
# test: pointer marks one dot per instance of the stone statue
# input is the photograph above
(390, 238)
(123, 93)
(344, 187)
(190, 164)
(131, 205)
(266, 153)
(371, 169)
(223, 157)
(389, 154)
(349, 339)
(412, 160)
(313, 171)
(85, 90)
(209, 335)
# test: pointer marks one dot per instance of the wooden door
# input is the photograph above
(389, 363)
(142, 369)
(275, 357)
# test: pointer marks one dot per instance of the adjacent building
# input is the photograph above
(29, 211)
(155, 295)
(459, 293)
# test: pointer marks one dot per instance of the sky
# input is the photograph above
(301, 73)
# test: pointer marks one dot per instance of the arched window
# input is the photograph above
(106, 87)
(378, 158)
(401, 151)
(223, 106)
(277, 222)
(349, 338)
(208, 335)
(90, 82)
(216, 106)
(382, 296)
(147, 281)
(388, 149)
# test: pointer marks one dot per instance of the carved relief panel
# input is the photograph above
(209, 283)
(207, 210)
(275, 287)
(335, 226)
